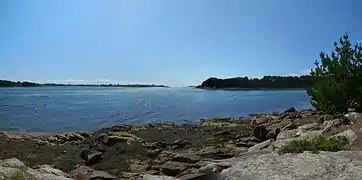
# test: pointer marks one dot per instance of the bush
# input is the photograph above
(337, 78)
(316, 144)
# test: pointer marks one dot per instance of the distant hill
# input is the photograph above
(267, 82)
(6, 83)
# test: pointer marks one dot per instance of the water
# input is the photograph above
(55, 109)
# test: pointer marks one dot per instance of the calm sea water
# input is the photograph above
(54, 109)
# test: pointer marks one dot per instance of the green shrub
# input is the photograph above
(316, 144)
(337, 78)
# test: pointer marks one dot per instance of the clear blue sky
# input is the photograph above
(171, 42)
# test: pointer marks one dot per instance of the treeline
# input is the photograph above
(6, 83)
(267, 82)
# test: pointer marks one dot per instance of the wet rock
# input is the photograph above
(173, 168)
(260, 132)
(118, 128)
(349, 134)
(87, 173)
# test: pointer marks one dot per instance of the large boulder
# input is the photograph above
(15, 169)
(260, 132)
(287, 134)
(341, 165)
(349, 134)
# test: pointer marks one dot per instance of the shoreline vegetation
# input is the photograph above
(6, 83)
(265, 83)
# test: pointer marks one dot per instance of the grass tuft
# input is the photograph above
(316, 144)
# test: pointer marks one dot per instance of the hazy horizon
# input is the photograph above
(172, 43)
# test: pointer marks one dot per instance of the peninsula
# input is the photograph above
(267, 82)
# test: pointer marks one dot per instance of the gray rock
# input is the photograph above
(307, 127)
(15, 169)
(36, 175)
(214, 167)
(259, 147)
(279, 143)
(353, 117)
(290, 126)
(50, 170)
(87, 173)
(155, 177)
(343, 165)
(12, 162)
(349, 134)
(309, 134)
(287, 134)
(328, 125)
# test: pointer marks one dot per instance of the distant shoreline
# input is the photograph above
(6, 83)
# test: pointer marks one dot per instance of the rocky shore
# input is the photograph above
(221, 148)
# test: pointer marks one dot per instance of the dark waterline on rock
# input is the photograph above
(54, 109)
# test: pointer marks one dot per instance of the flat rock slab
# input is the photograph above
(343, 165)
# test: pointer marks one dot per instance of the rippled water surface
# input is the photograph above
(53, 109)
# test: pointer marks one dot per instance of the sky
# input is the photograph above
(178, 42)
